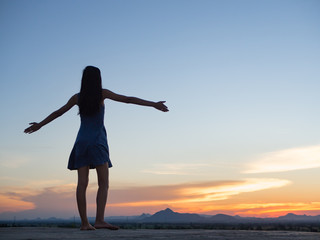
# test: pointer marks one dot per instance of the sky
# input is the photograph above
(241, 81)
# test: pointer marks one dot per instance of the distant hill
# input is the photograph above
(290, 217)
(222, 218)
(126, 218)
(169, 216)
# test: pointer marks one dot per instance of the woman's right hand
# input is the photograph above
(33, 128)
(160, 106)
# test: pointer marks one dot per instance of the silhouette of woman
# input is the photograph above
(91, 147)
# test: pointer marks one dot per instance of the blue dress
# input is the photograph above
(91, 146)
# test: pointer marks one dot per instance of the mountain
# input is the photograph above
(290, 217)
(143, 216)
(170, 216)
(222, 218)
(127, 218)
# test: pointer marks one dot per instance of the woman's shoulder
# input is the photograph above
(105, 93)
(75, 98)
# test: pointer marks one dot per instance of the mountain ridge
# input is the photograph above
(169, 216)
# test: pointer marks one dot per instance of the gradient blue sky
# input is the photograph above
(241, 80)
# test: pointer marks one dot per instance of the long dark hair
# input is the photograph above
(90, 92)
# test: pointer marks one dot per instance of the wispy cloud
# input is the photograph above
(286, 160)
(211, 193)
(186, 194)
(13, 200)
(276, 209)
(175, 168)
(31, 203)
(262, 209)
(60, 200)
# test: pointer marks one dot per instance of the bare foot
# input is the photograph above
(105, 225)
(87, 227)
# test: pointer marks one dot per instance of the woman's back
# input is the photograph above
(91, 145)
(92, 125)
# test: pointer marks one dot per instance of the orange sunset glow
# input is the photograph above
(12, 203)
(228, 197)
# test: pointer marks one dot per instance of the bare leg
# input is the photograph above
(83, 179)
(102, 195)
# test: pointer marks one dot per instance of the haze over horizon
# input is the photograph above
(241, 80)
(170, 216)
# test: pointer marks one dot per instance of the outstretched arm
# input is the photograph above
(36, 126)
(121, 98)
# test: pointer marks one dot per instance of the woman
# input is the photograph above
(91, 147)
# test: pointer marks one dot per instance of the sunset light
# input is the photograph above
(14, 204)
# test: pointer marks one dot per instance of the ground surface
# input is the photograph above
(37, 233)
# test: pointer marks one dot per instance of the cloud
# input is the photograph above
(175, 168)
(286, 160)
(13, 203)
(59, 201)
(32, 203)
(190, 194)
(277, 209)
(262, 209)
(212, 193)
(12, 199)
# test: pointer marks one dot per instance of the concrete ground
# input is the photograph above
(37, 233)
